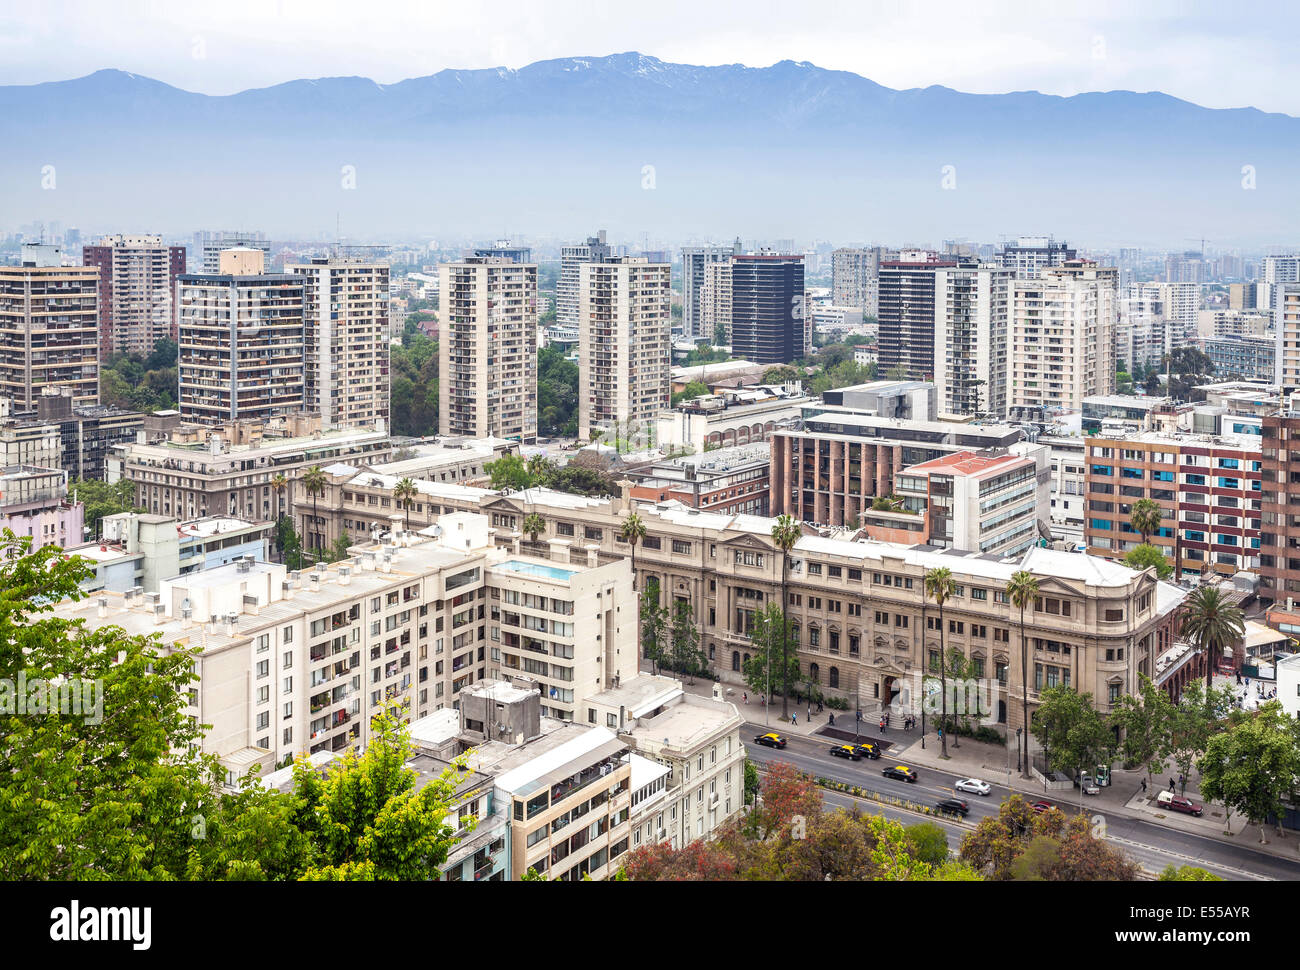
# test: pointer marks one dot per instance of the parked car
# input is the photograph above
(1177, 803)
(1043, 805)
(846, 751)
(771, 740)
(901, 772)
(973, 785)
(868, 750)
(953, 806)
(1090, 788)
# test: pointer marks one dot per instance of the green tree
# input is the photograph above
(1145, 518)
(785, 533)
(687, 657)
(403, 492)
(371, 820)
(632, 531)
(314, 483)
(1146, 724)
(118, 790)
(929, 842)
(1145, 556)
(771, 663)
(279, 485)
(287, 541)
(692, 390)
(339, 547)
(1065, 850)
(784, 374)
(1171, 873)
(540, 470)
(1251, 768)
(102, 498)
(1212, 623)
(654, 627)
(938, 587)
(1072, 732)
(1022, 590)
(534, 525)
(509, 471)
(751, 781)
(1198, 716)
(897, 373)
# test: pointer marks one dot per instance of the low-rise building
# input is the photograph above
(140, 549)
(34, 502)
(731, 480)
(697, 739)
(731, 417)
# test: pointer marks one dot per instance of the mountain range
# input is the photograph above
(629, 142)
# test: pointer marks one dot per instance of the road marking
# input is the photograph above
(1195, 860)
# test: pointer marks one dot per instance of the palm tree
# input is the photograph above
(534, 525)
(1146, 517)
(1022, 589)
(1212, 623)
(785, 534)
(314, 482)
(540, 469)
(938, 586)
(278, 484)
(403, 492)
(632, 531)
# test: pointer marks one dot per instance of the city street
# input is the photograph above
(1151, 845)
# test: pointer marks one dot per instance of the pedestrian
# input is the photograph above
(1171, 784)
(810, 713)
(1182, 783)
(794, 719)
(1144, 786)
(940, 734)
(745, 696)
(832, 718)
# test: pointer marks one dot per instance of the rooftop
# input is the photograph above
(640, 695)
(974, 464)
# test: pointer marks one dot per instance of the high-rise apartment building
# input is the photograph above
(487, 365)
(706, 290)
(771, 319)
(855, 278)
(1029, 255)
(568, 286)
(1188, 267)
(1286, 321)
(970, 338)
(624, 342)
(1061, 347)
(345, 328)
(49, 329)
(241, 341)
(208, 245)
(907, 313)
(1274, 273)
(1178, 304)
(137, 287)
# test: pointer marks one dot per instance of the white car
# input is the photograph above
(973, 785)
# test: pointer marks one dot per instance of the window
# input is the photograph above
(288, 659)
(288, 686)
(591, 532)
(264, 643)
(681, 548)
(286, 635)
(263, 669)
(564, 529)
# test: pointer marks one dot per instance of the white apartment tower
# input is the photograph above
(1286, 315)
(1062, 342)
(208, 245)
(487, 367)
(970, 338)
(595, 249)
(346, 327)
(624, 343)
(855, 278)
(706, 290)
(137, 286)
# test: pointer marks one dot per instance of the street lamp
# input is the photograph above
(1019, 731)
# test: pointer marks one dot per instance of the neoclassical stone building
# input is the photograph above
(865, 628)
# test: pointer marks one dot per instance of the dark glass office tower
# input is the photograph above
(770, 322)
(906, 318)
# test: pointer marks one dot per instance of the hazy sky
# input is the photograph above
(1216, 54)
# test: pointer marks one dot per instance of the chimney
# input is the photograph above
(368, 561)
(295, 577)
(102, 611)
(315, 582)
(345, 575)
(159, 614)
(187, 618)
(386, 561)
(232, 624)
(286, 589)
(251, 605)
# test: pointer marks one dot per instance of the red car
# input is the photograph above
(1044, 805)
(1177, 803)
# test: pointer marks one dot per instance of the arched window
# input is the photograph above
(835, 677)
(735, 660)
(814, 673)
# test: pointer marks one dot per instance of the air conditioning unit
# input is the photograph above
(663, 834)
